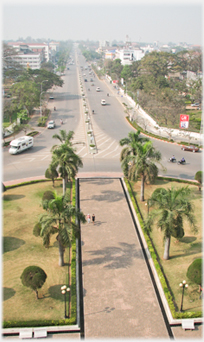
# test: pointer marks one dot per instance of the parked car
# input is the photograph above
(191, 148)
(98, 89)
(103, 102)
(51, 124)
(51, 98)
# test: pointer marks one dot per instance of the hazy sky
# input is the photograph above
(142, 20)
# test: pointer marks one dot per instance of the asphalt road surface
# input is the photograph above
(109, 126)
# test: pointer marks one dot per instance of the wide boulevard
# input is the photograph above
(109, 126)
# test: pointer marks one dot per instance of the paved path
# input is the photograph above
(119, 298)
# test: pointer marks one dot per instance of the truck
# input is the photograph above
(20, 144)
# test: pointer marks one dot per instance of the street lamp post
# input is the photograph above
(42, 83)
(64, 290)
(41, 92)
(183, 285)
(40, 103)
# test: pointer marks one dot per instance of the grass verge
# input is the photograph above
(182, 252)
(21, 209)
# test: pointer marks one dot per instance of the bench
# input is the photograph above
(188, 324)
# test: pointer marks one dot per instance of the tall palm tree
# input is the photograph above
(140, 163)
(59, 220)
(170, 207)
(130, 150)
(65, 138)
(64, 157)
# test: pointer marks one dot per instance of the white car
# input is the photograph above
(51, 124)
(103, 102)
(51, 98)
(98, 89)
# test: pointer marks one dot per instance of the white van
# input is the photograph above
(20, 144)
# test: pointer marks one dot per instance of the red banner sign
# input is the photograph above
(184, 121)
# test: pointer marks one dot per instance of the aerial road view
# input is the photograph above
(102, 156)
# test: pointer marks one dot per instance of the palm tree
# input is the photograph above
(171, 206)
(130, 149)
(59, 220)
(140, 163)
(65, 138)
(68, 162)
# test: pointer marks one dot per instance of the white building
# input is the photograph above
(32, 61)
(41, 48)
(127, 56)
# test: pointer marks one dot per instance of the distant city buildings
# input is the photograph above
(32, 55)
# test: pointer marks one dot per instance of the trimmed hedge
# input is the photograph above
(167, 292)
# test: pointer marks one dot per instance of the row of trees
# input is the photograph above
(169, 206)
(159, 84)
(25, 89)
(61, 215)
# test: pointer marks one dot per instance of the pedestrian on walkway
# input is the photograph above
(93, 218)
(88, 218)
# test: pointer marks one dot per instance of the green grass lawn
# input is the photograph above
(21, 210)
(182, 252)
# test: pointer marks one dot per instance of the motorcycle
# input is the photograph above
(170, 160)
(181, 162)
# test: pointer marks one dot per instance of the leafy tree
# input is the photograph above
(51, 173)
(126, 72)
(25, 95)
(170, 207)
(199, 178)
(22, 115)
(33, 277)
(194, 272)
(59, 221)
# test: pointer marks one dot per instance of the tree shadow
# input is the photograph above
(182, 255)
(114, 257)
(109, 196)
(12, 197)
(187, 239)
(8, 293)
(55, 292)
(98, 181)
(11, 243)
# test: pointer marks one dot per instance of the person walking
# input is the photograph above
(93, 218)
(88, 218)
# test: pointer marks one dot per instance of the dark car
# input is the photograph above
(191, 148)
(85, 80)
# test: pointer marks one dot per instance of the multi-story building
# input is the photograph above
(30, 54)
(127, 56)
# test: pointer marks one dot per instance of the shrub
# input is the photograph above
(199, 178)
(48, 195)
(37, 229)
(33, 133)
(194, 272)
(51, 173)
(42, 121)
(33, 277)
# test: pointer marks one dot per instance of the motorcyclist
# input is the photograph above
(183, 160)
(172, 158)
(92, 111)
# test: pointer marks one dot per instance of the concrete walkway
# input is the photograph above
(119, 298)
